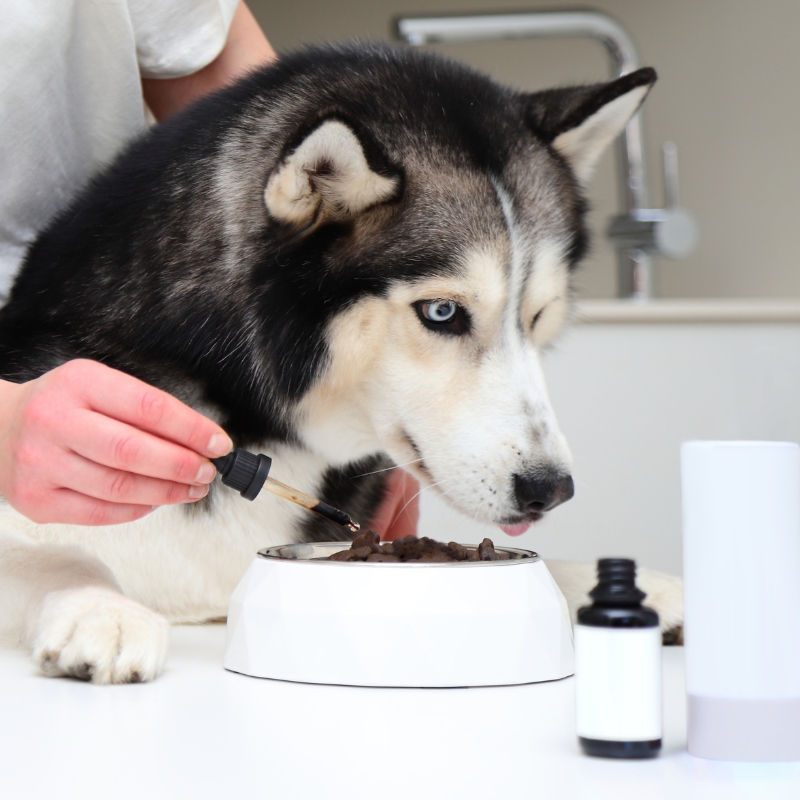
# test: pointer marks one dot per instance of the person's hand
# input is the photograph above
(86, 444)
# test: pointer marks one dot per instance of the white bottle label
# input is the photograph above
(618, 683)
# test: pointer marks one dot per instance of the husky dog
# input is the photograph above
(349, 260)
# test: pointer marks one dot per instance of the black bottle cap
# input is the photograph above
(243, 471)
(616, 583)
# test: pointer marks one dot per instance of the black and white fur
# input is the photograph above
(349, 259)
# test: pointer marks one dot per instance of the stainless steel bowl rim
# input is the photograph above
(316, 552)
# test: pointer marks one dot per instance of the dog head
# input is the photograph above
(454, 213)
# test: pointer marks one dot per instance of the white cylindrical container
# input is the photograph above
(741, 556)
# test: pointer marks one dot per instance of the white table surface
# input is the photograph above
(201, 732)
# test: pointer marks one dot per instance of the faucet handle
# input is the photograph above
(676, 234)
(670, 231)
(669, 153)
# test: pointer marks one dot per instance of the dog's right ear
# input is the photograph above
(580, 122)
(326, 178)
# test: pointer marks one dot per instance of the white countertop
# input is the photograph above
(201, 732)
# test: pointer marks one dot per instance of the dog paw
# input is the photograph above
(100, 635)
(664, 593)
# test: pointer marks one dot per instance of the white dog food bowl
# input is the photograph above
(297, 617)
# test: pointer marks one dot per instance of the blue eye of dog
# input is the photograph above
(439, 310)
(442, 316)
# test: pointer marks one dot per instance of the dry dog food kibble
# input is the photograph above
(367, 547)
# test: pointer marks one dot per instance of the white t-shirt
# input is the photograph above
(71, 94)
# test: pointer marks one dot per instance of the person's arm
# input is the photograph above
(246, 48)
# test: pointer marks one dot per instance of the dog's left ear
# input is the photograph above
(327, 178)
(582, 121)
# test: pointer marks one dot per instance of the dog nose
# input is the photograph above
(541, 491)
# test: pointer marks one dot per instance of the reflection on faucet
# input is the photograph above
(638, 232)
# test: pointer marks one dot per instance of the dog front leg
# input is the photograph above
(67, 609)
(664, 593)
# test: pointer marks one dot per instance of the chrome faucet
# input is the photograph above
(638, 232)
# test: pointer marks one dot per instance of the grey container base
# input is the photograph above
(744, 730)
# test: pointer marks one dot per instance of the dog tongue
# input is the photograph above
(515, 530)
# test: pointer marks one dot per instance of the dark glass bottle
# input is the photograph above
(618, 667)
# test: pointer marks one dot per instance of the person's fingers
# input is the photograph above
(73, 508)
(115, 444)
(119, 486)
(123, 397)
(85, 444)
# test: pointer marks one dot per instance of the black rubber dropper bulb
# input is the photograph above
(246, 472)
